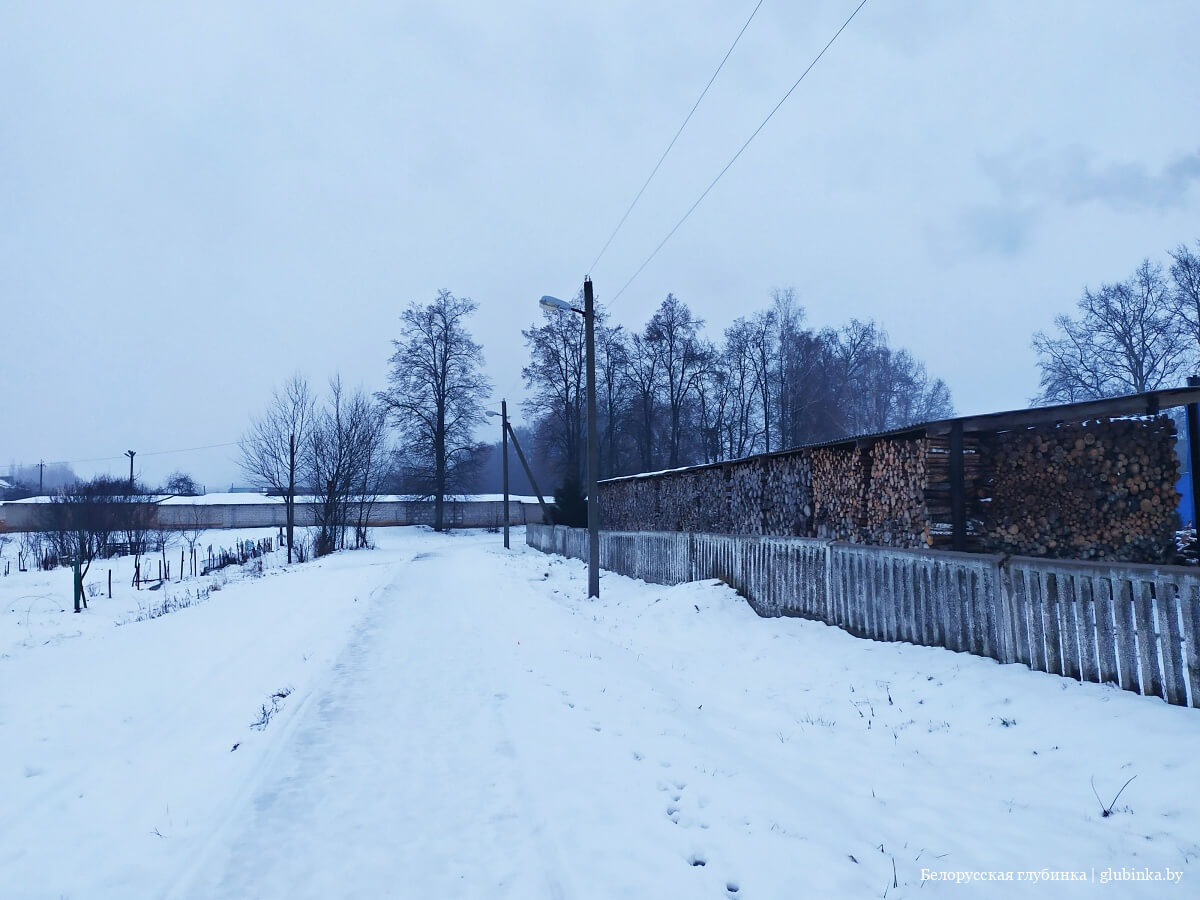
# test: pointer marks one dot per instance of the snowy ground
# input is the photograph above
(462, 722)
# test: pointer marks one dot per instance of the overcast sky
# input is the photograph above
(200, 199)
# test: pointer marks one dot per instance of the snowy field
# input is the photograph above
(440, 719)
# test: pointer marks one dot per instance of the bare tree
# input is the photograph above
(1185, 295)
(271, 450)
(181, 484)
(435, 395)
(194, 525)
(557, 379)
(78, 523)
(673, 337)
(371, 469)
(742, 426)
(1128, 338)
(345, 460)
(612, 359)
(643, 379)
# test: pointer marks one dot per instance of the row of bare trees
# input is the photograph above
(669, 396)
(339, 452)
(334, 452)
(1129, 336)
(85, 520)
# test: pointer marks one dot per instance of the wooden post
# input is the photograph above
(504, 458)
(958, 493)
(529, 473)
(593, 445)
(110, 584)
(1193, 438)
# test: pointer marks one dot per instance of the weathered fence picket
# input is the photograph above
(1134, 625)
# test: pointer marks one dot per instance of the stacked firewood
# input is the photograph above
(895, 512)
(1100, 490)
(747, 489)
(674, 502)
(787, 495)
(628, 505)
(710, 501)
(839, 486)
(692, 501)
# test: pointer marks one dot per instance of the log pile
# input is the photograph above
(787, 495)
(895, 505)
(840, 479)
(747, 491)
(1101, 490)
(692, 501)
(628, 505)
(674, 502)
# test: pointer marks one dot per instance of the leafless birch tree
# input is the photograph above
(271, 450)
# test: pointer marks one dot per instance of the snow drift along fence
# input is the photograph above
(1133, 625)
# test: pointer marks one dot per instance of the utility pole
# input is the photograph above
(131, 454)
(41, 474)
(529, 474)
(504, 457)
(593, 444)
(593, 439)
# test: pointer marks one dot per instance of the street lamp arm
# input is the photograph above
(554, 304)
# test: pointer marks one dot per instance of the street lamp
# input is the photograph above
(503, 414)
(593, 442)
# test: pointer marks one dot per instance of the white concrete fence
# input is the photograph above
(269, 512)
(1136, 626)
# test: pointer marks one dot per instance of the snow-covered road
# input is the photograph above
(464, 723)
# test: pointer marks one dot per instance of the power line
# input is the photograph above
(742, 149)
(687, 119)
(72, 462)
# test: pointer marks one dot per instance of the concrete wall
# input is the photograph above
(458, 514)
(1137, 626)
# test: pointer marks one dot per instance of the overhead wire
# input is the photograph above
(687, 118)
(71, 462)
(734, 159)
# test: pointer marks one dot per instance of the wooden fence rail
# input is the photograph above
(1136, 626)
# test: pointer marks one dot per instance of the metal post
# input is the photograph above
(593, 445)
(504, 457)
(1193, 437)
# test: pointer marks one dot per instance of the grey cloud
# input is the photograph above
(985, 231)
(1074, 179)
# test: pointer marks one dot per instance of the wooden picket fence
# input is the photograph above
(1136, 626)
